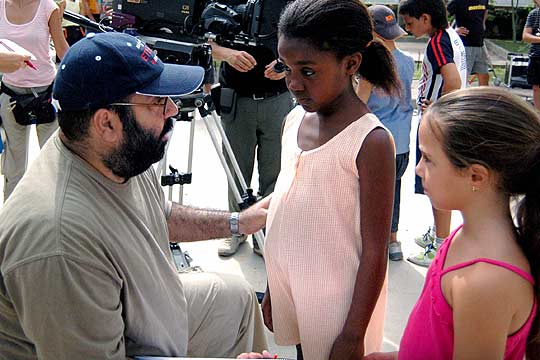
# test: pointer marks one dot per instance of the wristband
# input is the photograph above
(234, 224)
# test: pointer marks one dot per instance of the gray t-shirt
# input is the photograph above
(85, 268)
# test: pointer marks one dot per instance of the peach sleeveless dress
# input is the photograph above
(313, 242)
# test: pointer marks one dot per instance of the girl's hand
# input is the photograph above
(382, 356)
(266, 307)
(265, 355)
(347, 347)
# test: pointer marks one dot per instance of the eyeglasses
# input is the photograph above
(163, 102)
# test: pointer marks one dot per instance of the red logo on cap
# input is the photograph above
(147, 53)
(389, 18)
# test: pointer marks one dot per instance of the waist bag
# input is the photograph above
(33, 108)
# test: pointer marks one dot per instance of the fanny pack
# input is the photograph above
(35, 108)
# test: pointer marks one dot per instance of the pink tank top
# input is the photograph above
(430, 332)
(34, 36)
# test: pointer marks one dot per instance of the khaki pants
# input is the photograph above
(224, 316)
(15, 156)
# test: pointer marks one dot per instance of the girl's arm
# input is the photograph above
(55, 29)
(484, 304)
(376, 166)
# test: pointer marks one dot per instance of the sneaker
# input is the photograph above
(394, 251)
(427, 239)
(256, 248)
(230, 245)
(425, 257)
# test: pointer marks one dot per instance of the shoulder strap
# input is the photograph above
(525, 275)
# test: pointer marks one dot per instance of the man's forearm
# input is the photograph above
(219, 52)
(530, 38)
(192, 224)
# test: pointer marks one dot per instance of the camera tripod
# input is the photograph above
(200, 103)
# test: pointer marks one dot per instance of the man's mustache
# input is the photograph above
(169, 125)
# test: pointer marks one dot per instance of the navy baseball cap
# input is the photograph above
(385, 22)
(104, 68)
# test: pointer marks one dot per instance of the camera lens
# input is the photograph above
(279, 67)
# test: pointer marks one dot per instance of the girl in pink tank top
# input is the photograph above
(480, 151)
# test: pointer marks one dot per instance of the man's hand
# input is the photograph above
(253, 218)
(271, 74)
(462, 31)
(425, 104)
(265, 355)
(10, 62)
(240, 60)
(347, 347)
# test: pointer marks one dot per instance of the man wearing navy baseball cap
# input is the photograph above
(86, 270)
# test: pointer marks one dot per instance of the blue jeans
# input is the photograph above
(402, 160)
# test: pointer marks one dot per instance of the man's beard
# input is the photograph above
(138, 150)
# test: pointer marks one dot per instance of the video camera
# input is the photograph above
(253, 22)
(179, 30)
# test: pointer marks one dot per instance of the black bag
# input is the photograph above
(228, 101)
(31, 109)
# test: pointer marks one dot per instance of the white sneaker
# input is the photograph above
(426, 239)
(230, 245)
(425, 258)
(394, 251)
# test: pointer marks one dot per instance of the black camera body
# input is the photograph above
(168, 19)
(253, 22)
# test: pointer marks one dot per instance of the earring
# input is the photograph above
(474, 188)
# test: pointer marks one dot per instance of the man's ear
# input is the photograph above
(107, 126)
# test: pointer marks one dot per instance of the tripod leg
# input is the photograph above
(190, 157)
(162, 165)
(212, 122)
(230, 152)
(217, 146)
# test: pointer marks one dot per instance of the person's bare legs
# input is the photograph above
(483, 79)
(536, 97)
(442, 219)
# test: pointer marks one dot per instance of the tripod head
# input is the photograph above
(187, 105)
(198, 100)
